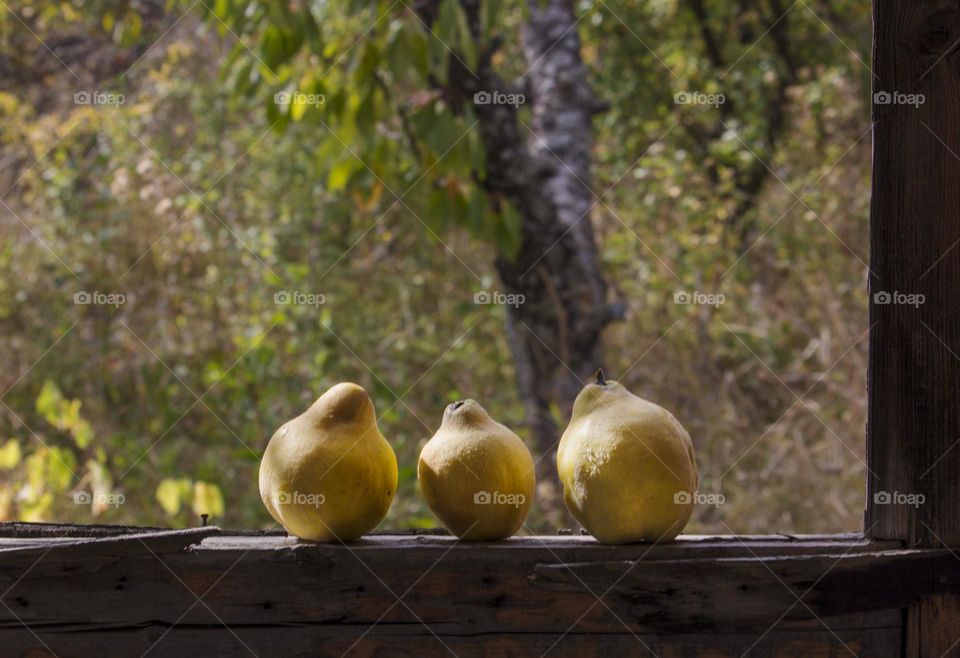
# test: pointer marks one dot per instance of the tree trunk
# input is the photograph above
(543, 169)
(555, 334)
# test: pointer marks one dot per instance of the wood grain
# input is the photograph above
(385, 641)
(914, 365)
(204, 591)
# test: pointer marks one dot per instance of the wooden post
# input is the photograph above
(913, 483)
(913, 486)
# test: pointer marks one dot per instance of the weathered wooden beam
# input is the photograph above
(913, 487)
(107, 544)
(514, 597)
(745, 592)
(27, 529)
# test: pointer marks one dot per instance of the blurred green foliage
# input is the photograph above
(200, 200)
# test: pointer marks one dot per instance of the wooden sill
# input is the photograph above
(804, 591)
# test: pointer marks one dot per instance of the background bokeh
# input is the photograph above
(185, 208)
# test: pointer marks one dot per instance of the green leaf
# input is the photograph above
(36, 471)
(366, 114)
(452, 29)
(467, 45)
(49, 402)
(222, 9)
(63, 414)
(60, 467)
(446, 27)
(478, 155)
(340, 174)
(277, 46)
(456, 206)
(298, 107)
(477, 212)
(243, 78)
(438, 209)
(130, 29)
(459, 159)
(509, 231)
(82, 433)
(436, 127)
(406, 53)
(311, 31)
(365, 64)
(417, 43)
(490, 13)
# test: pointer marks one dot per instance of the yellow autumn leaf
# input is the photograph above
(169, 495)
(10, 454)
(207, 499)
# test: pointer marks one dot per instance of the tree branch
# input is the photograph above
(749, 179)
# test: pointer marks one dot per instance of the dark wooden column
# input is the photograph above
(913, 483)
(913, 487)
